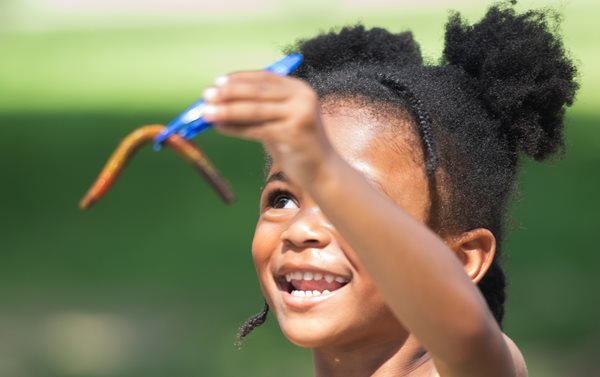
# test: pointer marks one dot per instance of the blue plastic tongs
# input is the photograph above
(191, 122)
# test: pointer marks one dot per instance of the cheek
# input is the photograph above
(264, 243)
(375, 314)
(373, 317)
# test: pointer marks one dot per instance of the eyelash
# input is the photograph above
(276, 194)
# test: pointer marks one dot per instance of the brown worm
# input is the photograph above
(143, 135)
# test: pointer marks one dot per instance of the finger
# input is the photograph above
(253, 131)
(262, 131)
(246, 76)
(262, 91)
(244, 112)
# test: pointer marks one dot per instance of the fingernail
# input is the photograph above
(210, 110)
(221, 80)
(210, 93)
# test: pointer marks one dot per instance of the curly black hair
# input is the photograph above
(499, 91)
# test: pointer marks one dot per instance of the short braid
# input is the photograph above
(252, 323)
(423, 119)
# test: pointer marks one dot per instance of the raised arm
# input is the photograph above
(417, 273)
(421, 279)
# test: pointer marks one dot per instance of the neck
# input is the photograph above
(395, 357)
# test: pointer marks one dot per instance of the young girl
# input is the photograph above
(379, 237)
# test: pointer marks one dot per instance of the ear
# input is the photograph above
(475, 249)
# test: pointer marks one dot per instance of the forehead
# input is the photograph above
(379, 135)
(384, 152)
(358, 125)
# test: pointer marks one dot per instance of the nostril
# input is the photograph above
(306, 231)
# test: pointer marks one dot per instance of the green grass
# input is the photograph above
(166, 257)
(164, 66)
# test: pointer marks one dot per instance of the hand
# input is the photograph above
(282, 113)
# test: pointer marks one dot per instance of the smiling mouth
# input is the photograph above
(309, 283)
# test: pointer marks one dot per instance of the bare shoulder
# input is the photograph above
(517, 357)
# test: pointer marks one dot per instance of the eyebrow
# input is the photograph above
(277, 176)
(281, 177)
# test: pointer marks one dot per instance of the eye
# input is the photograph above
(281, 199)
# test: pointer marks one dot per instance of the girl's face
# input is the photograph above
(311, 278)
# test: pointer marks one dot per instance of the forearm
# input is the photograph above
(421, 279)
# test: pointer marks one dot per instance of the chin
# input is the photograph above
(309, 333)
(339, 328)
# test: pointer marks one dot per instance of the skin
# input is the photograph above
(351, 200)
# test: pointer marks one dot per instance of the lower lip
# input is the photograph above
(307, 302)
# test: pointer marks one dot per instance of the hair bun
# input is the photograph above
(355, 44)
(523, 73)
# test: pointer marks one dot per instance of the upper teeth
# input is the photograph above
(308, 275)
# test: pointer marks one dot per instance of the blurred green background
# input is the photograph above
(156, 279)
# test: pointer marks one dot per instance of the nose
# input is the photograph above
(309, 228)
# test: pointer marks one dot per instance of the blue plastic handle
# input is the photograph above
(191, 122)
